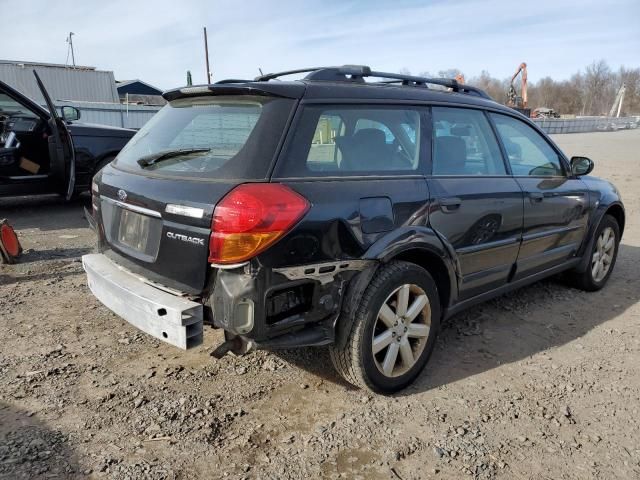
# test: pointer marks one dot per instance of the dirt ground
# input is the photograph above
(541, 384)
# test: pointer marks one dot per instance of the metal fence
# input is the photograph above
(113, 114)
(585, 124)
(135, 116)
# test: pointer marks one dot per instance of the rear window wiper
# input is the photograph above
(149, 160)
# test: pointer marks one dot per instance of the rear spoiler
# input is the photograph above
(238, 87)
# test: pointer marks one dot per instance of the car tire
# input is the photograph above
(394, 330)
(602, 257)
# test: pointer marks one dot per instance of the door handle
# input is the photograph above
(536, 197)
(450, 204)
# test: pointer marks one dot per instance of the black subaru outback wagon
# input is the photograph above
(337, 210)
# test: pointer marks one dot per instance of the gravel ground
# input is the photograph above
(543, 383)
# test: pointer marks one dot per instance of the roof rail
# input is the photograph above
(357, 73)
(445, 82)
(232, 80)
(270, 76)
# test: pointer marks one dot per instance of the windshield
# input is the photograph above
(212, 137)
(9, 106)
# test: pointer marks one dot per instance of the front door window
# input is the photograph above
(528, 152)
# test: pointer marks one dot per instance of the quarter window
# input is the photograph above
(528, 152)
(464, 144)
(323, 145)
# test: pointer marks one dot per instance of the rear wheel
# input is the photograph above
(394, 330)
(602, 257)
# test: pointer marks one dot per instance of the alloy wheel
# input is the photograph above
(603, 254)
(401, 330)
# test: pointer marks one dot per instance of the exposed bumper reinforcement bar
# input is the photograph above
(167, 317)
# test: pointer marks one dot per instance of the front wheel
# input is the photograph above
(394, 330)
(602, 257)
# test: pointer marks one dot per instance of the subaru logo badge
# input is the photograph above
(122, 195)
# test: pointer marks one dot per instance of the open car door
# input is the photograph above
(13, 178)
(61, 151)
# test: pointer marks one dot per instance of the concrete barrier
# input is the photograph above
(585, 124)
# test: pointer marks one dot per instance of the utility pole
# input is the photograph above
(70, 42)
(206, 55)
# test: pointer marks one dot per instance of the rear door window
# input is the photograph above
(464, 144)
(353, 140)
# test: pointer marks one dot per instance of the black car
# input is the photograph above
(337, 210)
(41, 153)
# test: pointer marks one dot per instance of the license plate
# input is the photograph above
(134, 230)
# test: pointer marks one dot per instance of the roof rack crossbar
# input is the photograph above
(359, 72)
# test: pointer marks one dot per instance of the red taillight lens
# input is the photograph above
(250, 218)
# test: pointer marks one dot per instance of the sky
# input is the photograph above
(158, 41)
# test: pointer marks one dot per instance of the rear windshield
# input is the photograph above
(221, 137)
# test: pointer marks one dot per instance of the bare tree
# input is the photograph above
(598, 85)
(588, 93)
(631, 79)
(497, 89)
(449, 73)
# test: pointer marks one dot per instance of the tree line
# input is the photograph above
(588, 92)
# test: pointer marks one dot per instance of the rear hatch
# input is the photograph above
(156, 199)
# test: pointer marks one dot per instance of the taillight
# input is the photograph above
(250, 218)
(95, 192)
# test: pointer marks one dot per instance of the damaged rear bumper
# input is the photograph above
(283, 307)
(167, 317)
(271, 308)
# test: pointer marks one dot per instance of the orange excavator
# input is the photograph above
(513, 100)
(519, 102)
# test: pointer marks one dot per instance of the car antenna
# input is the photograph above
(260, 70)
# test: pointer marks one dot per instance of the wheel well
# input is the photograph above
(102, 161)
(434, 264)
(617, 212)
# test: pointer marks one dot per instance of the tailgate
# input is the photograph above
(157, 198)
(159, 228)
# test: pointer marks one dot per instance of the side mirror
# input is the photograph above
(70, 114)
(581, 166)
